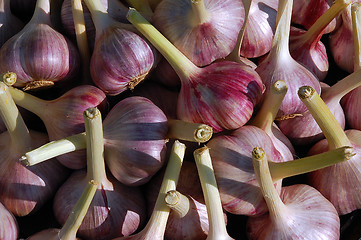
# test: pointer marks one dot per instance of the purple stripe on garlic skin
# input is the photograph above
(134, 136)
(121, 59)
(39, 53)
(298, 212)
(272, 67)
(203, 40)
(223, 96)
(341, 42)
(8, 224)
(223, 93)
(306, 12)
(307, 215)
(63, 116)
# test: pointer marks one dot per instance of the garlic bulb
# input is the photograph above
(38, 54)
(203, 30)
(298, 212)
(9, 229)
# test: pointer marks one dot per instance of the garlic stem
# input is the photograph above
(276, 207)
(81, 38)
(41, 12)
(75, 219)
(356, 29)
(270, 106)
(99, 15)
(193, 132)
(28, 101)
(236, 52)
(180, 63)
(342, 87)
(315, 32)
(156, 225)
(295, 167)
(199, 12)
(14, 123)
(335, 135)
(178, 202)
(217, 226)
(9, 78)
(94, 145)
(280, 44)
(54, 149)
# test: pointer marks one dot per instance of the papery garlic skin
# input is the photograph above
(294, 74)
(116, 210)
(351, 103)
(341, 43)
(232, 163)
(307, 215)
(134, 138)
(121, 59)
(8, 224)
(313, 57)
(306, 12)
(24, 190)
(201, 42)
(261, 25)
(340, 183)
(223, 96)
(39, 53)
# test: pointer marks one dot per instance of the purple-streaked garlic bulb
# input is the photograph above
(306, 47)
(63, 116)
(115, 8)
(260, 28)
(341, 42)
(121, 59)
(116, 210)
(303, 129)
(9, 24)
(279, 64)
(38, 54)
(231, 158)
(71, 226)
(24, 190)
(9, 229)
(183, 223)
(203, 30)
(221, 95)
(156, 225)
(232, 163)
(265, 116)
(135, 133)
(338, 183)
(306, 12)
(297, 212)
